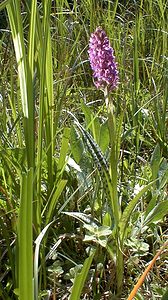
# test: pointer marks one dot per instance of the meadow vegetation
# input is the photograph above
(83, 189)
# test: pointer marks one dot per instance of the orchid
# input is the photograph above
(102, 61)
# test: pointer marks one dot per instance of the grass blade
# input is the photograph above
(14, 14)
(25, 238)
(81, 278)
(36, 257)
(129, 209)
(3, 4)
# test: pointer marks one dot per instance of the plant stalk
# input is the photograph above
(116, 209)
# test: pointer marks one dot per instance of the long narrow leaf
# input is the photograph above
(36, 258)
(52, 204)
(3, 4)
(14, 15)
(25, 238)
(129, 209)
(81, 278)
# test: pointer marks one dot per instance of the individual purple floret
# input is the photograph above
(102, 61)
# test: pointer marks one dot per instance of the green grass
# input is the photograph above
(65, 225)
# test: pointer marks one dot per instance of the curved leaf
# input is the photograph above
(129, 209)
(81, 278)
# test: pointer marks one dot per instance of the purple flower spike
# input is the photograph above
(102, 61)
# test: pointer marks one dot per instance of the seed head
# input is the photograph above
(102, 61)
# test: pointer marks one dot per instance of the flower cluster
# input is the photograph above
(102, 61)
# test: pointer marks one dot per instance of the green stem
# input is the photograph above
(116, 209)
(113, 158)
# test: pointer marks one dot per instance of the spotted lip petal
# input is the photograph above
(102, 61)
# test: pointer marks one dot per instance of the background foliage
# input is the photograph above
(48, 175)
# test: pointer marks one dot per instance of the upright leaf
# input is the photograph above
(81, 278)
